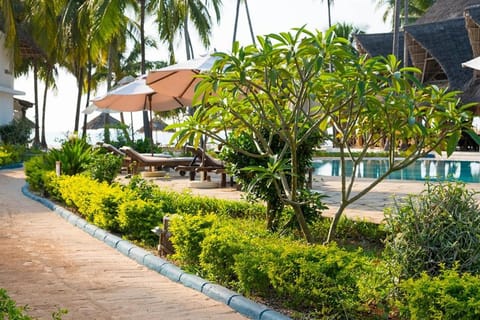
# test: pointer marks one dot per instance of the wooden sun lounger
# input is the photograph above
(114, 150)
(206, 164)
(139, 160)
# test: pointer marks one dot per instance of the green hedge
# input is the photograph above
(244, 256)
(450, 295)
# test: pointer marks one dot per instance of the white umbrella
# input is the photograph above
(137, 96)
(179, 80)
(473, 64)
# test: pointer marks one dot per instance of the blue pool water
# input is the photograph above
(421, 170)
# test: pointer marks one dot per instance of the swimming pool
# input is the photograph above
(420, 170)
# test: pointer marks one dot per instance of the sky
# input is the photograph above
(267, 16)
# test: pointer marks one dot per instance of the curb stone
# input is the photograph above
(12, 166)
(234, 300)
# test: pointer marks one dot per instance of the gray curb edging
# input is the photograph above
(233, 299)
(16, 165)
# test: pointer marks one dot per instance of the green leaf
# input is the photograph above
(473, 135)
(452, 142)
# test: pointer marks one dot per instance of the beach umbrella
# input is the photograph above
(179, 80)
(473, 63)
(137, 96)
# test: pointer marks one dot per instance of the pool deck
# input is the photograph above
(370, 207)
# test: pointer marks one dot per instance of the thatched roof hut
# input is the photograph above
(102, 121)
(443, 10)
(472, 24)
(377, 44)
(438, 42)
(439, 49)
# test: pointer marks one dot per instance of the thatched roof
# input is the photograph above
(103, 120)
(377, 44)
(472, 23)
(28, 47)
(443, 10)
(447, 43)
(157, 125)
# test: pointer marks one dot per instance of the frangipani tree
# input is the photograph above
(298, 84)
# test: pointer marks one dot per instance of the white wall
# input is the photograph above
(6, 83)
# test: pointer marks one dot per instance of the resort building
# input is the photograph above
(10, 107)
(438, 43)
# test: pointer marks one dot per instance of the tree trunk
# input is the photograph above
(333, 226)
(79, 99)
(303, 224)
(44, 109)
(36, 137)
(146, 122)
(396, 29)
(89, 83)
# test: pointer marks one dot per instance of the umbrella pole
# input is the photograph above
(151, 123)
(131, 126)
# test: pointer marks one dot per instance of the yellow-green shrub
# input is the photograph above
(188, 232)
(136, 218)
(221, 244)
(450, 295)
(10, 154)
(35, 169)
(97, 201)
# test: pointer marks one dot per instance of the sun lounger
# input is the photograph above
(114, 150)
(206, 164)
(139, 160)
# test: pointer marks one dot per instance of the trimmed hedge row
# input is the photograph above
(243, 255)
(133, 210)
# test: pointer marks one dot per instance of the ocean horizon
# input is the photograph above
(55, 139)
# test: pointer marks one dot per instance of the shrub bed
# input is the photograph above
(226, 241)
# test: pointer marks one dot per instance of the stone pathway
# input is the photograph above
(47, 264)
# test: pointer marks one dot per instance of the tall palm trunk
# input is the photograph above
(87, 102)
(396, 29)
(146, 123)
(36, 138)
(109, 86)
(79, 98)
(249, 22)
(405, 22)
(44, 109)
(329, 13)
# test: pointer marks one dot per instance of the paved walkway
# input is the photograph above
(47, 263)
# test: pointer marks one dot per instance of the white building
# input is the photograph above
(7, 90)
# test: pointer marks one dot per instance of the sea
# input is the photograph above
(56, 138)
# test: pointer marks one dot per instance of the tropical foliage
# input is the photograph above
(296, 85)
(92, 40)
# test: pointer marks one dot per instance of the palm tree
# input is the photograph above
(180, 14)
(74, 39)
(13, 15)
(329, 7)
(248, 18)
(416, 8)
(346, 30)
(10, 13)
(43, 18)
(87, 28)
